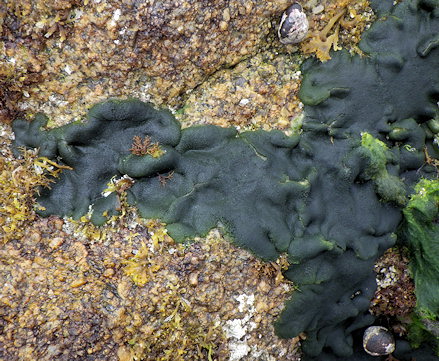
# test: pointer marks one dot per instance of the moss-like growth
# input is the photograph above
(420, 231)
(388, 186)
(330, 198)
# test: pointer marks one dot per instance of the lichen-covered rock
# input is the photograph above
(331, 198)
(258, 93)
(67, 50)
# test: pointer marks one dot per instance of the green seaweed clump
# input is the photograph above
(389, 187)
(420, 231)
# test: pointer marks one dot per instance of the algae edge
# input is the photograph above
(317, 196)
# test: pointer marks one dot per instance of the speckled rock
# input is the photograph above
(61, 57)
(71, 51)
(258, 93)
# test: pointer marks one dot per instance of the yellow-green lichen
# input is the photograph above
(19, 180)
(175, 333)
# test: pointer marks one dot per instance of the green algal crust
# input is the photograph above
(389, 187)
(331, 198)
(420, 231)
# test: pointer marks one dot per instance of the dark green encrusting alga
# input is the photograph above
(332, 198)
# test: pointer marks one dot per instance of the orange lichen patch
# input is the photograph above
(19, 180)
(343, 21)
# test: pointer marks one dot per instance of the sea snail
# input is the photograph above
(378, 341)
(293, 25)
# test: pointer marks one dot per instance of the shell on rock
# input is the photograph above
(378, 341)
(293, 25)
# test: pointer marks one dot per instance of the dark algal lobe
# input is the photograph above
(92, 149)
(331, 198)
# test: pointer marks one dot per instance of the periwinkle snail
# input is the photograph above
(378, 341)
(293, 25)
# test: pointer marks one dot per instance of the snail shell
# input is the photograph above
(378, 341)
(293, 25)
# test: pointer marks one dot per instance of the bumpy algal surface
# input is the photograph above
(331, 198)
